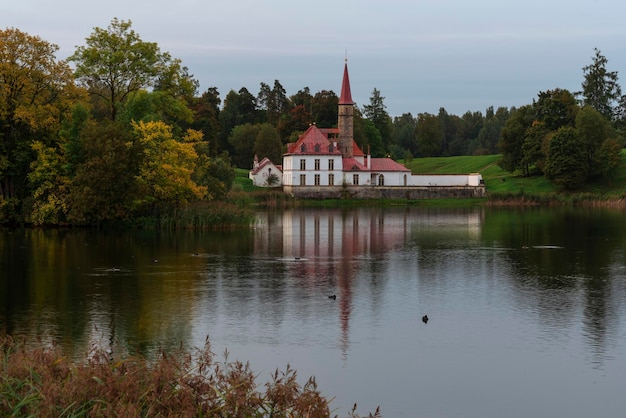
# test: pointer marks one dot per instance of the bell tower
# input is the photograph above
(345, 124)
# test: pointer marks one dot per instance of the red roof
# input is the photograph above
(313, 141)
(387, 164)
(346, 95)
(351, 164)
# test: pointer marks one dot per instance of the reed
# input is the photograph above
(43, 382)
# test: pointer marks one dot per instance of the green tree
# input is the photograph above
(103, 186)
(242, 139)
(116, 62)
(556, 108)
(374, 143)
(268, 143)
(273, 102)
(377, 113)
(564, 157)
(239, 108)
(37, 93)
(428, 135)
(593, 131)
(601, 89)
(512, 138)
(533, 149)
(324, 107)
(206, 111)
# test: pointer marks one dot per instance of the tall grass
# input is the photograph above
(43, 382)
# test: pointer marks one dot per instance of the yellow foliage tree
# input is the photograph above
(166, 164)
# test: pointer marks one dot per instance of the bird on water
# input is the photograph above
(333, 297)
(425, 319)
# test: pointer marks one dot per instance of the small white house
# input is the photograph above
(265, 173)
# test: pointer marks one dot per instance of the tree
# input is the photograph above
(374, 139)
(37, 93)
(103, 186)
(166, 165)
(324, 107)
(268, 144)
(242, 139)
(600, 87)
(593, 131)
(115, 63)
(376, 112)
(273, 102)
(206, 111)
(428, 135)
(512, 138)
(239, 108)
(556, 108)
(564, 156)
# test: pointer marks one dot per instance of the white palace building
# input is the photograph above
(327, 163)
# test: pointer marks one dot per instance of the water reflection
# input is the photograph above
(510, 293)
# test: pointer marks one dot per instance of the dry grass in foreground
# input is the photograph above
(42, 382)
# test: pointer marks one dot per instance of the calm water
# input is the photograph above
(527, 307)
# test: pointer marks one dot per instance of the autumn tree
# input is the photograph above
(37, 93)
(116, 62)
(166, 166)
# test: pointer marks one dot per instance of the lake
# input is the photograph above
(526, 306)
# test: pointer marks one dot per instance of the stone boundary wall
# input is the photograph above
(376, 192)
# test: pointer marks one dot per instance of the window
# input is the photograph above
(317, 147)
(302, 179)
(381, 180)
(317, 164)
(317, 179)
(302, 164)
(355, 179)
(331, 179)
(331, 164)
(303, 148)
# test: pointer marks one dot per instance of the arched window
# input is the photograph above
(405, 179)
(381, 180)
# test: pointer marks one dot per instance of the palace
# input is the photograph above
(327, 163)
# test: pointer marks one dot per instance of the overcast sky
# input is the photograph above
(420, 54)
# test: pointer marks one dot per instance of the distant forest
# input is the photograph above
(120, 130)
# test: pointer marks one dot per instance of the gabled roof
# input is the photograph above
(352, 164)
(264, 163)
(387, 164)
(313, 141)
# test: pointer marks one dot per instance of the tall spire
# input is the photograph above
(345, 122)
(346, 95)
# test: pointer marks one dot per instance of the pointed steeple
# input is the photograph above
(345, 122)
(346, 95)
